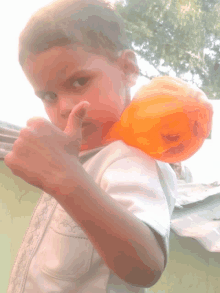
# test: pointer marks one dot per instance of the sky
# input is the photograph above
(19, 103)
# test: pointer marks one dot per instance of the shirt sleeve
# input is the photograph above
(135, 183)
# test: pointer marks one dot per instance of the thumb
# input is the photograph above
(76, 117)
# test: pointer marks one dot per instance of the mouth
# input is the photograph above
(84, 124)
(88, 128)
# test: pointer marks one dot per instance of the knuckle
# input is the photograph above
(18, 148)
(44, 123)
(25, 132)
(41, 123)
(14, 171)
(9, 161)
(13, 163)
(16, 145)
(35, 124)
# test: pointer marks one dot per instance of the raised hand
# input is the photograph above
(43, 154)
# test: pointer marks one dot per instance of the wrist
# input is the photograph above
(64, 181)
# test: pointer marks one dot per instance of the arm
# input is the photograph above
(128, 247)
(47, 158)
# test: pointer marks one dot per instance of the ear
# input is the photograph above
(128, 62)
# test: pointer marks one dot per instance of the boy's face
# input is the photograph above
(63, 76)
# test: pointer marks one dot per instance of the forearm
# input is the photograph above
(127, 246)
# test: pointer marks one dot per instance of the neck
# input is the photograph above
(99, 139)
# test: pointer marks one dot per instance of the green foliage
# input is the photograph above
(178, 35)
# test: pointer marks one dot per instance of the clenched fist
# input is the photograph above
(43, 154)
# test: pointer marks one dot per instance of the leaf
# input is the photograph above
(185, 34)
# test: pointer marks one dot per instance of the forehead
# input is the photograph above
(55, 64)
(57, 58)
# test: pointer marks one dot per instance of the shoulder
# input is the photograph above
(119, 164)
(133, 165)
(118, 156)
(119, 150)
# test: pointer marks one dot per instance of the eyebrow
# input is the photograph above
(79, 72)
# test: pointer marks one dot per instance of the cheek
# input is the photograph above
(54, 117)
(118, 82)
(50, 113)
(109, 92)
(117, 92)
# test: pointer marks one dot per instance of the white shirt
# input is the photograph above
(57, 256)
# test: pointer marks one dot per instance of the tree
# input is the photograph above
(178, 35)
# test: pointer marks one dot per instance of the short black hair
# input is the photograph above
(93, 23)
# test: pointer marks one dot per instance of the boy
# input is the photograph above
(103, 223)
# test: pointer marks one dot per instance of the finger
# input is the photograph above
(3, 153)
(8, 159)
(76, 118)
(35, 121)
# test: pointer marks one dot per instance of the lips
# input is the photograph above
(84, 124)
(88, 128)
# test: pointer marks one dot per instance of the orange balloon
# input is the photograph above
(168, 119)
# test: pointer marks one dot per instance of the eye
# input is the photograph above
(49, 97)
(80, 82)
